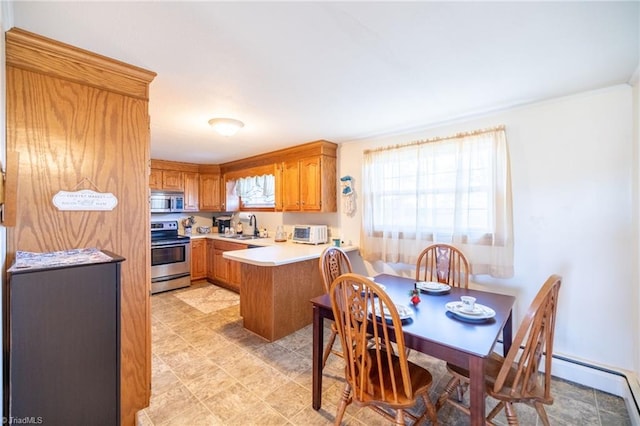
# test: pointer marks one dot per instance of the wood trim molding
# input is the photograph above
(321, 147)
(175, 165)
(269, 169)
(209, 168)
(39, 54)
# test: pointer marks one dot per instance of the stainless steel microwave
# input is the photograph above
(166, 202)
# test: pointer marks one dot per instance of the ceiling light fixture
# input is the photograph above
(226, 126)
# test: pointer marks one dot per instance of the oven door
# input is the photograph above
(170, 258)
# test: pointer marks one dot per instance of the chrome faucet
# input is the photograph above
(253, 220)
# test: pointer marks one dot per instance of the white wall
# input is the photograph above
(572, 176)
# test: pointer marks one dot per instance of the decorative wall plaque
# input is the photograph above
(84, 200)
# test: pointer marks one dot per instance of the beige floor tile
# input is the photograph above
(263, 381)
(170, 404)
(208, 370)
(310, 417)
(263, 415)
(288, 398)
(210, 383)
(233, 402)
(198, 415)
(142, 419)
(241, 364)
(163, 378)
(168, 346)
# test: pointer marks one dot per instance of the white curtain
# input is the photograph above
(256, 190)
(455, 190)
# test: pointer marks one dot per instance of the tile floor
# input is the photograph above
(208, 370)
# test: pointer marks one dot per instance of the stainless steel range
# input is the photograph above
(170, 257)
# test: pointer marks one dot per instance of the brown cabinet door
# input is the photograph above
(211, 260)
(311, 184)
(235, 273)
(210, 187)
(155, 179)
(172, 180)
(291, 186)
(198, 259)
(191, 189)
(227, 272)
(220, 267)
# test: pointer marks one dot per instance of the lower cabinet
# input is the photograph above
(211, 251)
(198, 259)
(226, 272)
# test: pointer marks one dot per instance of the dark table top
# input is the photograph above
(432, 322)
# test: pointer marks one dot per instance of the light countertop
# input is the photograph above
(280, 253)
(271, 253)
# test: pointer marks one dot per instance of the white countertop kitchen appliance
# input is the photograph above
(310, 234)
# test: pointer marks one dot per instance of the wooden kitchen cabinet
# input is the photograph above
(155, 179)
(191, 191)
(172, 180)
(227, 273)
(309, 184)
(166, 180)
(211, 260)
(210, 192)
(198, 259)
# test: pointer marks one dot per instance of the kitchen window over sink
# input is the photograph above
(256, 191)
(454, 189)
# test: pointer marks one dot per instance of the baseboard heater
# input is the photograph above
(632, 392)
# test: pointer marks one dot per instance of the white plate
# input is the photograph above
(404, 312)
(479, 311)
(382, 286)
(432, 287)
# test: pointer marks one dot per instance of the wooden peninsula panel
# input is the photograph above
(274, 300)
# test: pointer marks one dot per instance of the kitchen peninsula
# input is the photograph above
(277, 283)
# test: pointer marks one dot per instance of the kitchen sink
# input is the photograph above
(241, 237)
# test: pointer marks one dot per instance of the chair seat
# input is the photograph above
(493, 365)
(420, 383)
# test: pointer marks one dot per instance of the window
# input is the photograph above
(256, 191)
(455, 190)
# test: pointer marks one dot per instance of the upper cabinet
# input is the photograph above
(305, 176)
(168, 180)
(309, 184)
(305, 179)
(210, 192)
(191, 183)
(172, 180)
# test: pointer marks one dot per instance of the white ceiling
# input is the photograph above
(295, 72)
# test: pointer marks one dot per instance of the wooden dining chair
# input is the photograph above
(380, 379)
(516, 378)
(443, 263)
(333, 263)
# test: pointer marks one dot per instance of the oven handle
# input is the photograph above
(170, 244)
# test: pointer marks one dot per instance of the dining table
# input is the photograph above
(434, 330)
